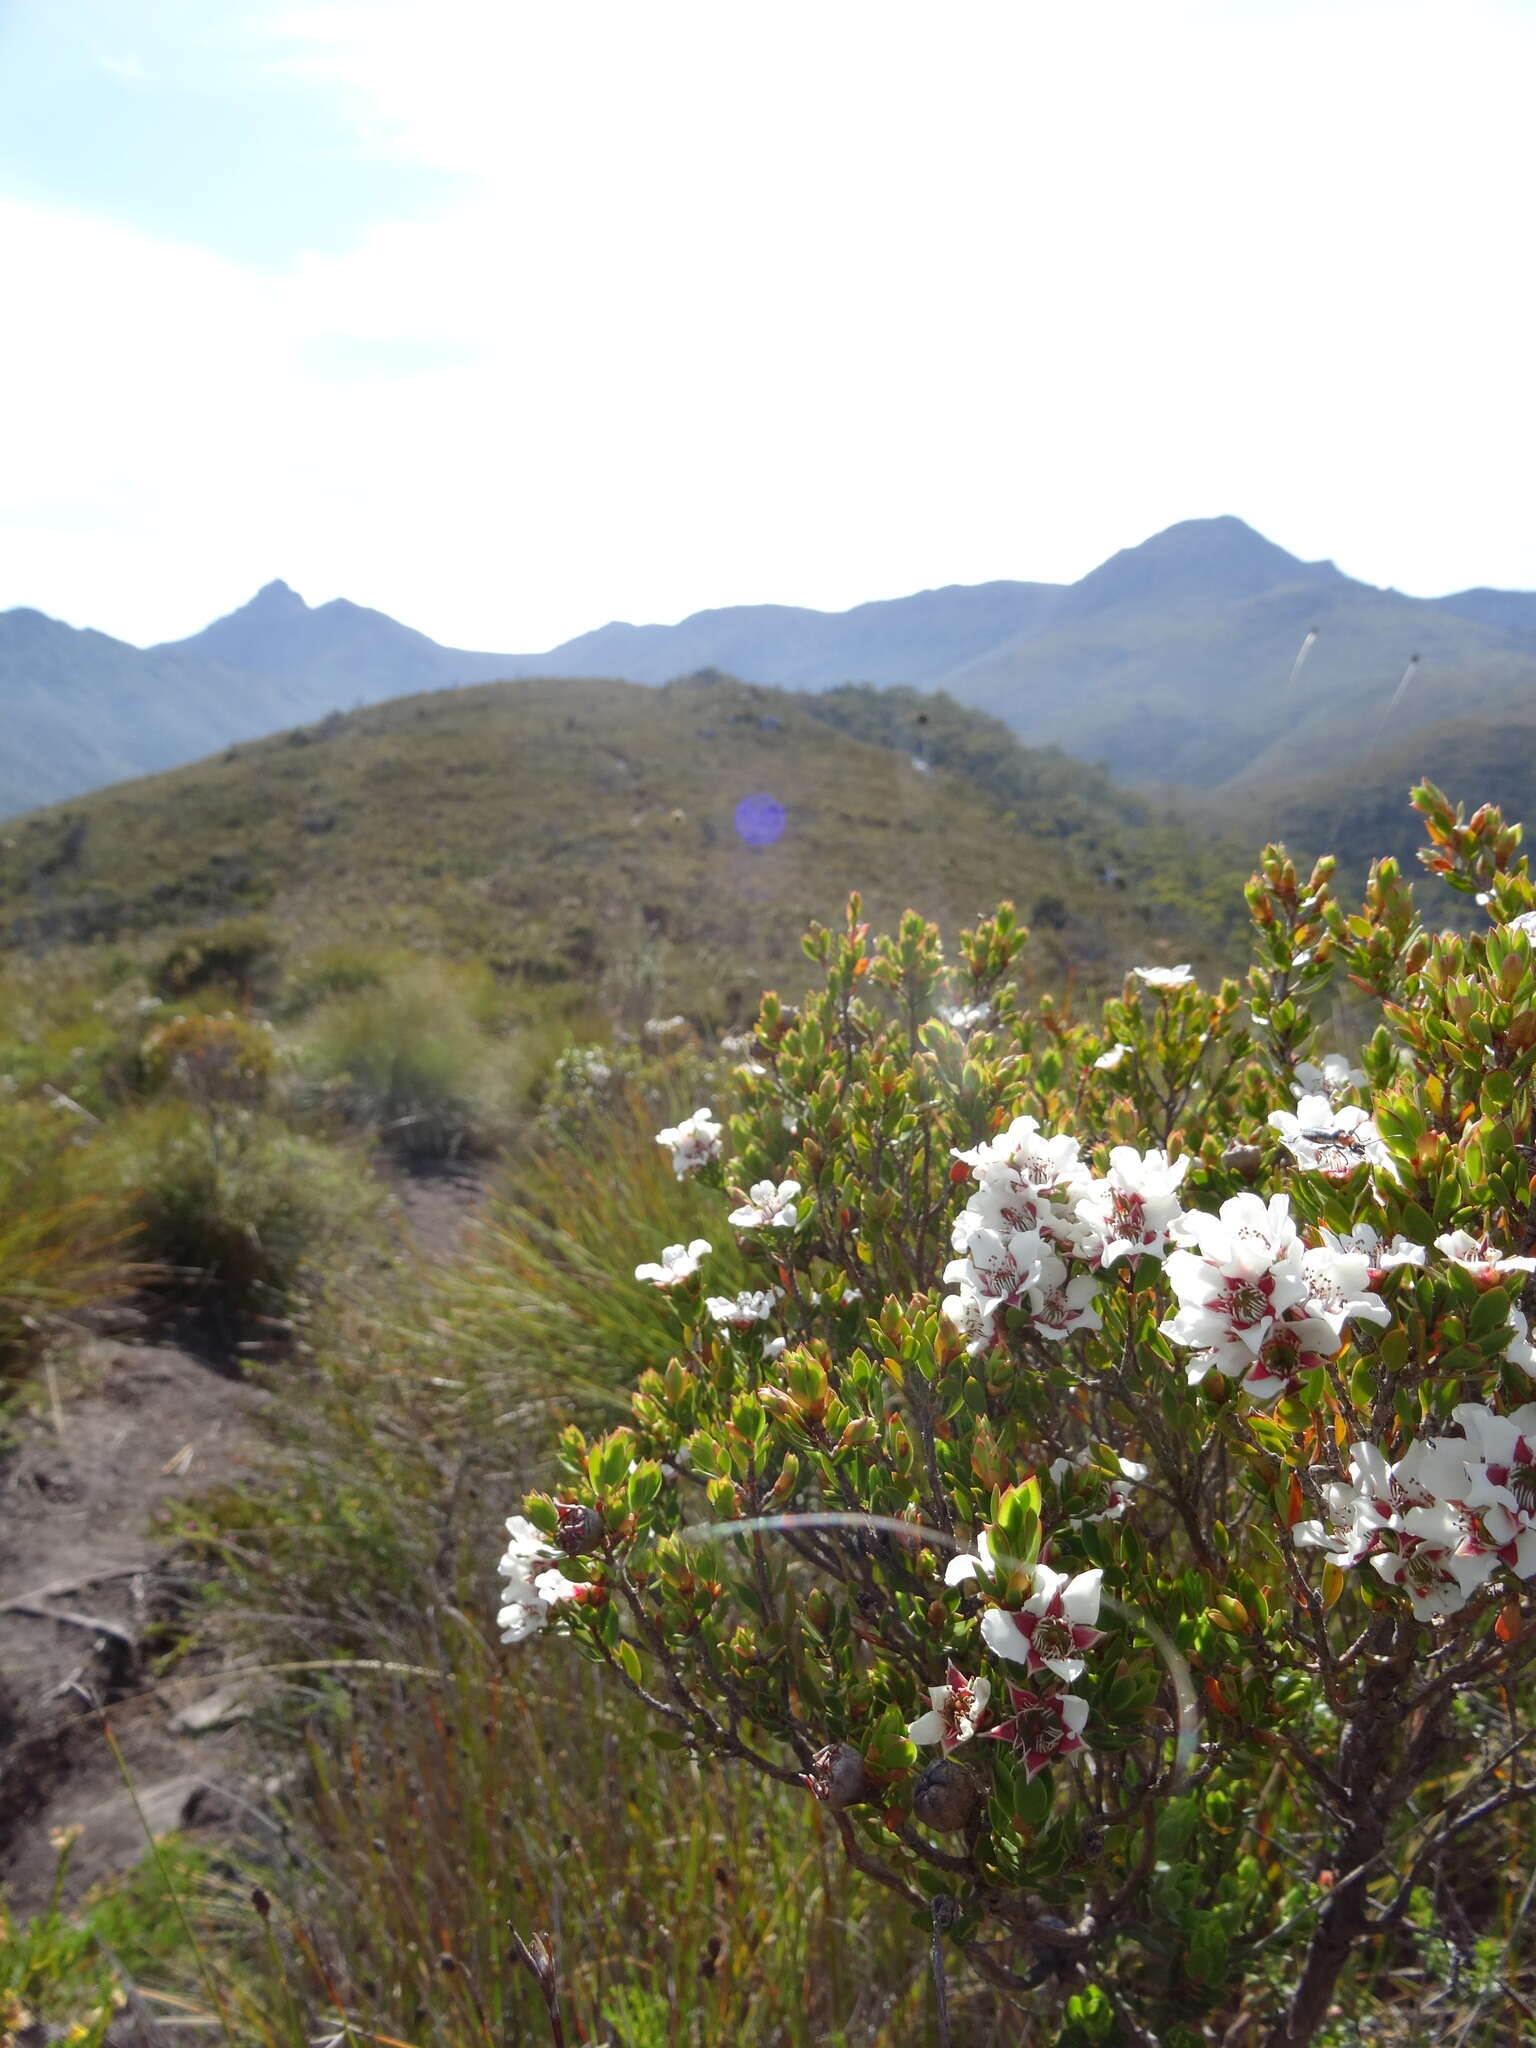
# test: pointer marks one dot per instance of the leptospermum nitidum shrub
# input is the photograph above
(1116, 1500)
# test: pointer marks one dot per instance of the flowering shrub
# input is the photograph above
(218, 1062)
(1126, 1533)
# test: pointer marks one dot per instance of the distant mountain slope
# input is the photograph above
(78, 708)
(1359, 809)
(568, 828)
(897, 640)
(1206, 693)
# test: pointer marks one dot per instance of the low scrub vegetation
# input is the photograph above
(1013, 1517)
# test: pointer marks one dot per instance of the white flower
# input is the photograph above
(1398, 1518)
(694, 1142)
(1365, 1239)
(1332, 1141)
(773, 1346)
(971, 1318)
(1524, 924)
(999, 1264)
(1165, 977)
(1331, 1079)
(739, 1043)
(1479, 1256)
(1108, 1061)
(1054, 1624)
(1061, 1306)
(534, 1584)
(1430, 1565)
(1242, 1272)
(1519, 1350)
(1338, 1289)
(957, 1710)
(664, 1027)
(965, 1017)
(1131, 1211)
(1038, 1162)
(742, 1310)
(767, 1207)
(1358, 1508)
(1500, 1489)
(678, 1262)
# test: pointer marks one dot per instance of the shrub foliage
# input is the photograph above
(1112, 1494)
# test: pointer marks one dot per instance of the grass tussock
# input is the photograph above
(65, 1237)
(411, 1059)
(519, 1788)
(239, 1214)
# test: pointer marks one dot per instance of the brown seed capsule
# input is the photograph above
(837, 1775)
(1243, 1159)
(946, 1796)
(581, 1528)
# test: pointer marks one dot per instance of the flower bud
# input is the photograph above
(837, 1776)
(580, 1529)
(946, 1796)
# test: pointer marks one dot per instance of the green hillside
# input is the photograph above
(1359, 809)
(580, 830)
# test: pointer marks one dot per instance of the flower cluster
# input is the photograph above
(534, 1581)
(1254, 1303)
(1441, 1519)
(1038, 1211)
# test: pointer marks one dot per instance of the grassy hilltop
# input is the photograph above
(564, 830)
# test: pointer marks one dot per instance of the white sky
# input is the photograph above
(576, 312)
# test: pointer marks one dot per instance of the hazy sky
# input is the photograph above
(511, 317)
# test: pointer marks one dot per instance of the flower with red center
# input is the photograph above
(1054, 1624)
(1042, 1726)
(959, 1705)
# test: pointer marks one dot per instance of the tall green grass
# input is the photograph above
(65, 1240)
(519, 1790)
(237, 1212)
(411, 1060)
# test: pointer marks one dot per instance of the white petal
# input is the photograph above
(1080, 1597)
(1002, 1637)
(1048, 1584)
(960, 1569)
(926, 1728)
(1074, 1712)
(1065, 1668)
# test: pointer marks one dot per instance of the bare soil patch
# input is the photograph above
(117, 1431)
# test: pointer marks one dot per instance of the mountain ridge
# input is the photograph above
(1183, 659)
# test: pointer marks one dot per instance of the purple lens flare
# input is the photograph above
(760, 820)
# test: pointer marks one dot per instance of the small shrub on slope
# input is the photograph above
(1130, 1549)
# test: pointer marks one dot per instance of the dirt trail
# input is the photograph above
(83, 1578)
(114, 1432)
